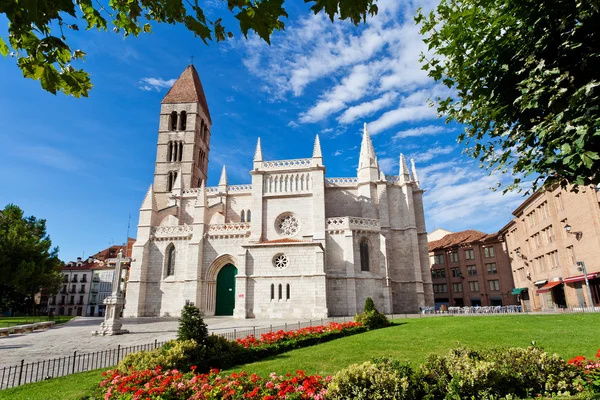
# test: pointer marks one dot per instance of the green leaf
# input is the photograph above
(3, 47)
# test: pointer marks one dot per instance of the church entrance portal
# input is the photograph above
(226, 290)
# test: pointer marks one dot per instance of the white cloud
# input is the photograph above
(399, 115)
(432, 152)
(338, 153)
(367, 108)
(229, 99)
(149, 84)
(292, 124)
(420, 131)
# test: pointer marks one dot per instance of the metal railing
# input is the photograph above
(485, 310)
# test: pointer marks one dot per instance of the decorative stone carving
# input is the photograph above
(342, 182)
(287, 224)
(281, 261)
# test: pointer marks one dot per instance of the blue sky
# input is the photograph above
(84, 164)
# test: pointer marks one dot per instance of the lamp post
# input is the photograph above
(581, 264)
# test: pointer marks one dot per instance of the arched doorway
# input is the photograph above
(226, 290)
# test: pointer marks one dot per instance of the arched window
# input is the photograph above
(170, 260)
(202, 129)
(170, 152)
(364, 254)
(182, 121)
(179, 151)
(173, 121)
(243, 216)
(280, 291)
(272, 291)
(171, 177)
(248, 216)
(287, 291)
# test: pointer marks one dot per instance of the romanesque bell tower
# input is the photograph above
(183, 136)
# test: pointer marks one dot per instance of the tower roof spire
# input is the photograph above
(414, 171)
(258, 153)
(403, 173)
(317, 148)
(188, 89)
(367, 152)
(223, 179)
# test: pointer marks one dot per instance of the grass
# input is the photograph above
(6, 322)
(409, 340)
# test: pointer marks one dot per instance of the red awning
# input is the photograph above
(548, 286)
(580, 278)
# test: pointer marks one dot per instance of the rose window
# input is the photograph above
(287, 225)
(280, 261)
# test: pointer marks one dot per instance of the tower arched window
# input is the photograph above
(287, 291)
(182, 121)
(170, 261)
(173, 121)
(280, 292)
(364, 254)
(272, 291)
(171, 177)
(179, 151)
(248, 216)
(170, 152)
(243, 216)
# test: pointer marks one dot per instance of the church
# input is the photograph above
(292, 243)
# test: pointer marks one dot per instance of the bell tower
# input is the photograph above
(183, 136)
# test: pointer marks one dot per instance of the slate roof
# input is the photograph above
(461, 238)
(188, 89)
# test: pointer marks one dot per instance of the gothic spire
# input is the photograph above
(414, 171)
(223, 179)
(201, 199)
(258, 157)
(403, 174)
(178, 184)
(149, 202)
(367, 152)
(317, 148)
(188, 89)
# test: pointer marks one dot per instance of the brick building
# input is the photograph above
(471, 268)
(290, 243)
(545, 256)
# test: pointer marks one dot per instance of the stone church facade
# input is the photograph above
(292, 243)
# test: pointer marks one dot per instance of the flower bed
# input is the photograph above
(590, 369)
(173, 384)
(271, 338)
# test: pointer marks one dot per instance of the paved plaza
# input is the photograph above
(62, 340)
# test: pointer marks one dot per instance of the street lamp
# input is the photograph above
(578, 234)
(581, 267)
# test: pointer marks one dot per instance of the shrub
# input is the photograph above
(369, 381)
(178, 354)
(372, 319)
(191, 325)
(369, 305)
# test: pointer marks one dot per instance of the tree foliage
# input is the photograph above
(28, 262)
(37, 29)
(527, 81)
(191, 325)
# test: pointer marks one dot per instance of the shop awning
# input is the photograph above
(580, 278)
(518, 290)
(548, 286)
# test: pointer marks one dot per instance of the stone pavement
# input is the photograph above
(62, 340)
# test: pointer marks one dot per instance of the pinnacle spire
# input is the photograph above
(223, 179)
(149, 202)
(317, 148)
(188, 89)
(414, 171)
(178, 184)
(201, 198)
(403, 173)
(367, 152)
(258, 153)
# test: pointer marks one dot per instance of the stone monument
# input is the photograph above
(114, 303)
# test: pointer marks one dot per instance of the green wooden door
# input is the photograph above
(226, 290)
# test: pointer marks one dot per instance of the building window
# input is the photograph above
(287, 225)
(488, 252)
(171, 177)
(456, 273)
(248, 216)
(472, 270)
(438, 259)
(272, 291)
(82, 290)
(438, 273)
(280, 261)
(364, 254)
(243, 216)
(474, 286)
(491, 268)
(469, 255)
(457, 287)
(559, 202)
(287, 291)
(171, 260)
(280, 292)
(571, 253)
(441, 288)
(173, 121)
(494, 285)
(454, 256)
(182, 121)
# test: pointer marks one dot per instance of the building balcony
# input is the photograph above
(74, 280)
(84, 280)
(64, 291)
(80, 303)
(61, 303)
(81, 290)
(72, 291)
(71, 303)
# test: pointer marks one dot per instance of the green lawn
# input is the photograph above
(410, 340)
(6, 322)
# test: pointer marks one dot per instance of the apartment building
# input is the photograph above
(553, 236)
(471, 268)
(73, 297)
